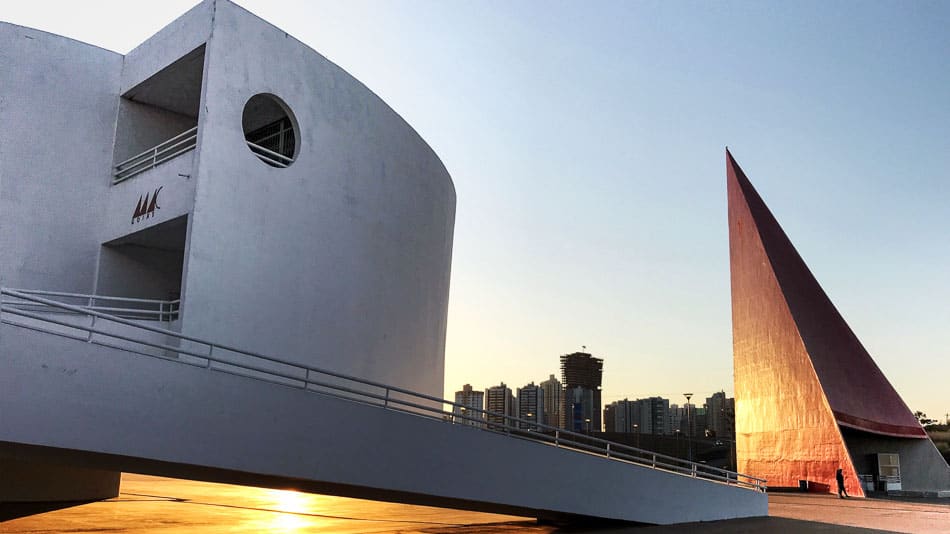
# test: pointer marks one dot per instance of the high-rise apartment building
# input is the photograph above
(689, 420)
(675, 418)
(530, 406)
(472, 402)
(617, 416)
(721, 415)
(686, 420)
(644, 416)
(612, 419)
(552, 401)
(581, 376)
(698, 422)
(651, 415)
(499, 402)
(579, 410)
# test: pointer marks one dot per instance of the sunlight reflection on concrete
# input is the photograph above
(171, 506)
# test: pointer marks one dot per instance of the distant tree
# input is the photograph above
(924, 420)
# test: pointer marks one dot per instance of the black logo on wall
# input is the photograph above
(147, 206)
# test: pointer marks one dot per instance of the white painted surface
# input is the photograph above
(58, 101)
(175, 199)
(340, 261)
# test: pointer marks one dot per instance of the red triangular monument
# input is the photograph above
(806, 389)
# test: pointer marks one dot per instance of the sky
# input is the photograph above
(586, 143)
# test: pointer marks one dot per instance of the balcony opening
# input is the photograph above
(270, 130)
(146, 265)
(158, 118)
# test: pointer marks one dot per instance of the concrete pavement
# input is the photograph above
(169, 506)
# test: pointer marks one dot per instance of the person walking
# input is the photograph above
(840, 478)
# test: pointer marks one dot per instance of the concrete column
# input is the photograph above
(22, 481)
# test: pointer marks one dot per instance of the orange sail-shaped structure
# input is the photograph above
(809, 398)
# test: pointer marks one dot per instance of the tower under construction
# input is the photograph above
(581, 375)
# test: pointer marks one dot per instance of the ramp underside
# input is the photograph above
(63, 400)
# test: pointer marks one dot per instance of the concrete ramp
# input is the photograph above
(72, 400)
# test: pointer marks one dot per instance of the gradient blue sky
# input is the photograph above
(586, 143)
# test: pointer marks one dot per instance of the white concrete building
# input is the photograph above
(226, 168)
(337, 253)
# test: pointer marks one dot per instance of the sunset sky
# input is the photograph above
(586, 142)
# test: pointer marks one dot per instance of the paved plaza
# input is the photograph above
(169, 506)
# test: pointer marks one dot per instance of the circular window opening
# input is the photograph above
(270, 130)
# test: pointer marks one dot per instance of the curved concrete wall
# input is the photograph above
(58, 100)
(342, 259)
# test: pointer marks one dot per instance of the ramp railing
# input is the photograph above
(217, 357)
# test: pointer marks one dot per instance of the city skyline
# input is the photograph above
(586, 149)
(675, 397)
(537, 408)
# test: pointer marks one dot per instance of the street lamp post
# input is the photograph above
(689, 430)
(636, 430)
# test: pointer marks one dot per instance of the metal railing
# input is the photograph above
(269, 156)
(212, 356)
(156, 155)
(164, 311)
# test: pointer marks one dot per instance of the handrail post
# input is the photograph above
(608, 450)
(557, 437)
(208, 360)
(386, 400)
(92, 326)
(654, 461)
